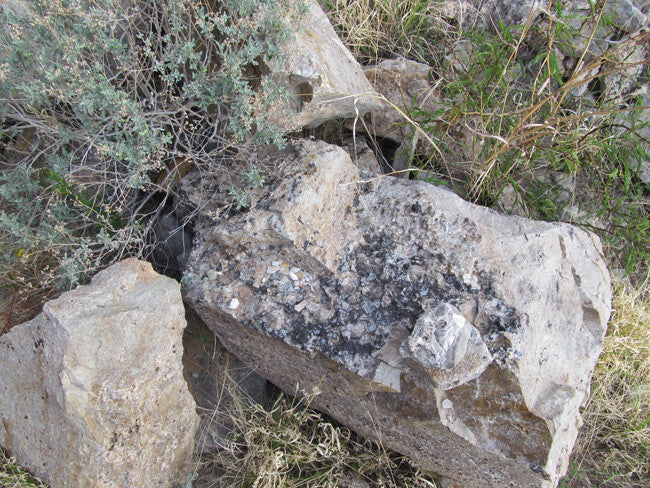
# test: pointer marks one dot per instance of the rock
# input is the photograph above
(92, 390)
(361, 154)
(325, 80)
(406, 86)
(460, 337)
(217, 381)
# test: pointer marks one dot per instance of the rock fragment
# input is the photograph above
(325, 80)
(92, 390)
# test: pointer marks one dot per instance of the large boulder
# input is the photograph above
(456, 335)
(324, 80)
(92, 390)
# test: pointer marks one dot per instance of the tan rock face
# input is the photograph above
(92, 390)
(325, 80)
(458, 336)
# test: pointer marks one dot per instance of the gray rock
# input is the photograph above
(218, 382)
(361, 154)
(405, 85)
(448, 346)
(325, 80)
(458, 336)
(92, 390)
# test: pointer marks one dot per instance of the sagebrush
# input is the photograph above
(104, 104)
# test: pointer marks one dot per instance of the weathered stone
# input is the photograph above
(361, 154)
(92, 390)
(407, 85)
(458, 336)
(404, 83)
(217, 381)
(325, 80)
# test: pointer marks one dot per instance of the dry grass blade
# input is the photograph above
(290, 445)
(13, 476)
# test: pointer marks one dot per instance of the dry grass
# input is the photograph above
(373, 30)
(290, 445)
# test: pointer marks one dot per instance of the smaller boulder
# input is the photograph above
(92, 391)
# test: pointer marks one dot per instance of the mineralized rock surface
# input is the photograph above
(92, 391)
(463, 338)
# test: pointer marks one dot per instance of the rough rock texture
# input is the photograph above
(361, 154)
(323, 76)
(92, 390)
(461, 337)
(214, 375)
(405, 85)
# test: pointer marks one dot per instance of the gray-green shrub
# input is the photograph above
(101, 97)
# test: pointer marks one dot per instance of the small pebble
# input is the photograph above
(234, 304)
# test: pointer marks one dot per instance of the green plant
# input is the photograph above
(251, 179)
(13, 476)
(102, 100)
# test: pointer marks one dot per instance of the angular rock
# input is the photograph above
(92, 390)
(325, 80)
(407, 85)
(463, 338)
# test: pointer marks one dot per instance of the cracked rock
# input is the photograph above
(324, 80)
(461, 337)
